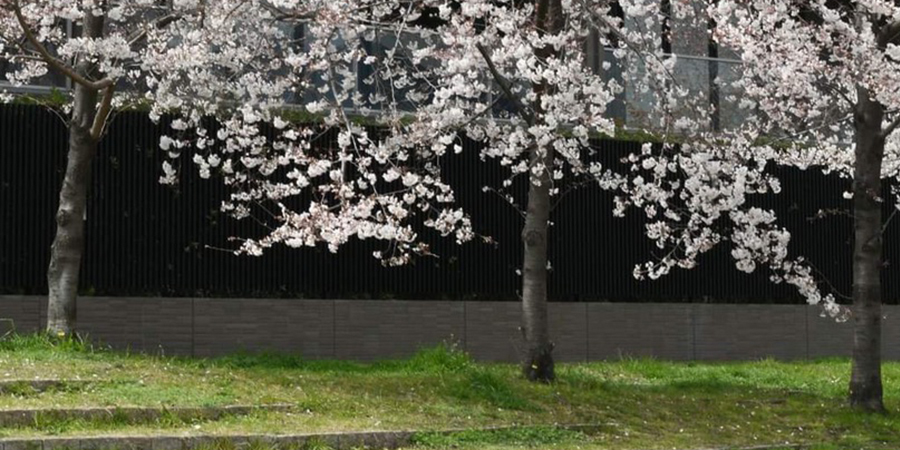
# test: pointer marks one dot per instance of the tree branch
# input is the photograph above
(890, 128)
(160, 23)
(504, 85)
(837, 91)
(103, 112)
(484, 111)
(888, 34)
(53, 62)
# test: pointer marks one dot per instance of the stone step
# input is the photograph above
(129, 414)
(337, 441)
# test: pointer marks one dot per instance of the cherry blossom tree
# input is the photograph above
(97, 45)
(510, 75)
(825, 75)
(819, 88)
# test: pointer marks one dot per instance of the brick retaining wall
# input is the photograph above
(373, 329)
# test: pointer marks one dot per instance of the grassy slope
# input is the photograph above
(636, 403)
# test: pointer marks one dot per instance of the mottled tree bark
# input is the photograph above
(537, 364)
(865, 380)
(68, 245)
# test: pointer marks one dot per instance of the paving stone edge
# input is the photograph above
(336, 440)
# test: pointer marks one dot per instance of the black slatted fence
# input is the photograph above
(147, 239)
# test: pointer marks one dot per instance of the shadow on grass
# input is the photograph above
(441, 359)
(482, 386)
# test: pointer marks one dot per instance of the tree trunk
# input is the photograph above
(537, 363)
(865, 381)
(68, 245)
(538, 359)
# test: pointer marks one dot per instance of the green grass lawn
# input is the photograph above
(635, 404)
